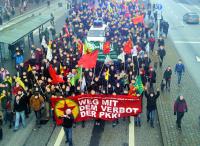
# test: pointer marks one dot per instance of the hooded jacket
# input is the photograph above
(180, 105)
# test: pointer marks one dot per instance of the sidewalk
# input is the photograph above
(59, 14)
(190, 135)
(30, 7)
(36, 11)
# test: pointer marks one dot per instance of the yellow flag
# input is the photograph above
(107, 75)
(110, 8)
(49, 45)
(9, 79)
(61, 69)
(19, 81)
(29, 68)
(2, 95)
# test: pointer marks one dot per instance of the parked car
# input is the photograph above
(191, 18)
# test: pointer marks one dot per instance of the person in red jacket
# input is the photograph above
(180, 107)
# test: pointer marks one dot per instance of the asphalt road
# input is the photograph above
(184, 36)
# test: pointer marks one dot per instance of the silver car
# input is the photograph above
(191, 18)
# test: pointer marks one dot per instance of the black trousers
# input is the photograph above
(38, 116)
(179, 118)
(1, 133)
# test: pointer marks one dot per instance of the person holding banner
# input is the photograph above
(68, 120)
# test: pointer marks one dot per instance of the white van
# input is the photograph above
(97, 32)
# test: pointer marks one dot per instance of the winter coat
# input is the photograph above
(180, 106)
(20, 105)
(36, 103)
(19, 59)
(179, 68)
(152, 76)
(151, 101)
(68, 122)
(167, 74)
(162, 53)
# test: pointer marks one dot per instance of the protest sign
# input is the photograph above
(105, 107)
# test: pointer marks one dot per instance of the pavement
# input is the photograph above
(190, 134)
(184, 36)
(145, 135)
(30, 8)
(60, 14)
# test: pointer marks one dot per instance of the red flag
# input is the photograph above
(88, 60)
(55, 78)
(138, 19)
(128, 47)
(80, 46)
(106, 47)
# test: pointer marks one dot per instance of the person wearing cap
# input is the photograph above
(68, 120)
(180, 107)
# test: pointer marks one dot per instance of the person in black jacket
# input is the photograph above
(167, 76)
(68, 120)
(161, 53)
(152, 77)
(151, 105)
(19, 109)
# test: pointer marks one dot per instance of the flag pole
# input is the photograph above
(101, 69)
(94, 74)
(107, 86)
(60, 88)
(124, 63)
(82, 68)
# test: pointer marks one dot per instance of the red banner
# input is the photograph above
(106, 107)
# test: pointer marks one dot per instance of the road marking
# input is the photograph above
(187, 42)
(184, 7)
(131, 132)
(60, 137)
(198, 58)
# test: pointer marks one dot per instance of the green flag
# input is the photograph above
(138, 85)
(87, 48)
(75, 78)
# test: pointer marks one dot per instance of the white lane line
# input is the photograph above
(187, 42)
(131, 132)
(184, 7)
(60, 137)
(197, 7)
(198, 58)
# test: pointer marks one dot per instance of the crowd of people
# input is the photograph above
(31, 88)
(9, 8)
